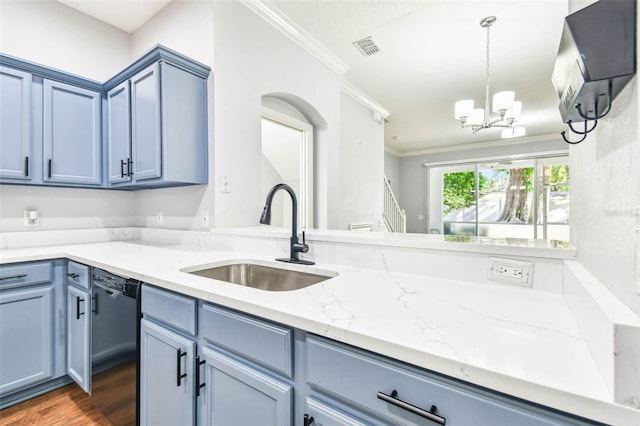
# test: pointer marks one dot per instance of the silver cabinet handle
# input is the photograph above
(73, 276)
(429, 415)
(13, 277)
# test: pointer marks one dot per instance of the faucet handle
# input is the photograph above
(305, 247)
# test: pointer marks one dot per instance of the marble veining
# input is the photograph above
(515, 340)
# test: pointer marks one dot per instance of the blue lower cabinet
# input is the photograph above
(167, 392)
(236, 394)
(79, 336)
(318, 413)
(400, 394)
(216, 366)
(26, 337)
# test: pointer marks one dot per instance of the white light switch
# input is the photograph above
(226, 184)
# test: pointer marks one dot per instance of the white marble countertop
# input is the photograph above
(514, 340)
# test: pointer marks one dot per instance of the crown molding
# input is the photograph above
(276, 18)
(489, 144)
(357, 94)
(392, 151)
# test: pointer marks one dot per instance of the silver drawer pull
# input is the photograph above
(429, 415)
(13, 277)
(73, 275)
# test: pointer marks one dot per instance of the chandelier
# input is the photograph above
(504, 104)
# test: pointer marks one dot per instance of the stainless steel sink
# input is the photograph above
(261, 276)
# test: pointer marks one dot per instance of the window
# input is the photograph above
(501, 198)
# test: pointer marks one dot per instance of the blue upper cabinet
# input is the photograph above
(72, 134)
(168, 127)
(145, 124)
(154, 121)
(119, 160)
(15, 124)
(157, 130)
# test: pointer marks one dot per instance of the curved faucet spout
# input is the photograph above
(295, 246)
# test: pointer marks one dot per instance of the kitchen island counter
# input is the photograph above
(513, 340)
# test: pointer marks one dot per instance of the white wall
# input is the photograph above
(186, 27)
(253, 59)
(605, 188)
(49, 33)
(392, 172)
(249, 59)
(362, 167)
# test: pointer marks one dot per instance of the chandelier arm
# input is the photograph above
(494, 123)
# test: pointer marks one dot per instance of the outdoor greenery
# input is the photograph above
(459, 190)
(516, 183)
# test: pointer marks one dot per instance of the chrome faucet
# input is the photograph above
(295, 246)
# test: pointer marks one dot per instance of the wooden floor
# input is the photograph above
(112, 403)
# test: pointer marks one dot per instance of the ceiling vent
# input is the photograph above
(367, 47)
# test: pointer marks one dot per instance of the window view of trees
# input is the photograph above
(506, 195)
(459, 190)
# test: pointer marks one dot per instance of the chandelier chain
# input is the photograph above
(487, 81)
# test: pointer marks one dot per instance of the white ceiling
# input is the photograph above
(433, 54)
(128, 15)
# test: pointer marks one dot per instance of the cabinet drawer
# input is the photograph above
(78, 274)
(170, 308)
(356, 378)
(22, 274)
(262, 342)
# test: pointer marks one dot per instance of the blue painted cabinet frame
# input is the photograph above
(167, 394)
(236, 393)
(15, 124)
(32, 349)
(119, 160)
(72, 134)
(154, 127)
(159, 137)
(26, 337)
(79, 336)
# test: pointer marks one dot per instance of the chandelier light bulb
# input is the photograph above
(463, 108)
(503, 101)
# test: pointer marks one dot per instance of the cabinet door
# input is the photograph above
(79, 336)
(145, 124)
(324, 415)
(71, 134)
(236, 394)
(167, 394)
(26, 337)
(15, 124)
(119, 134)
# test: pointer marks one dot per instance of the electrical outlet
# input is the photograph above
(205, 219)
(31, 218)
(160, 217)
(511, 271)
